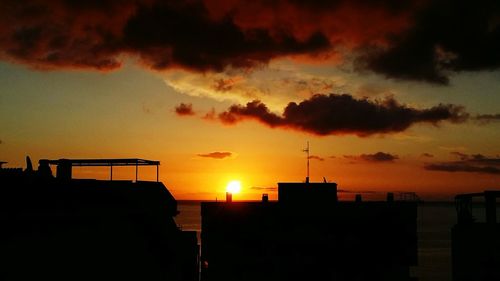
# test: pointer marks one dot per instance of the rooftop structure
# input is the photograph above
(59, 228)
(64, 166)
(475, 241)
(308, 234)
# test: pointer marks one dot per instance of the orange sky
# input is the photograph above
(386, 106)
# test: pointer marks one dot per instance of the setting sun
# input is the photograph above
(233, 187)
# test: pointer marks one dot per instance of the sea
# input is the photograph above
(434, 223)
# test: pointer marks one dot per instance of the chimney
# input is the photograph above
(229, 197)
(265, 198)
(358, 198)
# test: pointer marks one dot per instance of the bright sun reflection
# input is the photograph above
(233, 187)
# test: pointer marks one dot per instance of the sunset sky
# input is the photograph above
(391, 95)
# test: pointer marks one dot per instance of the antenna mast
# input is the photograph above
(307, 152)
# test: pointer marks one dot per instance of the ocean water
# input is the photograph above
(434, 236)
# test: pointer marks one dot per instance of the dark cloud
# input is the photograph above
(445, 36)
(344, 114)
(415, 40)
(376, 157)
(216, 155)
(163, 34)
(316, 157)
(473, 163)
(184, 109)
(379, 157)
(462, 167)
(425, 154)
(477, 158)
(487, 118)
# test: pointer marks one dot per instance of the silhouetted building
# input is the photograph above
(308, 235)
(59, 228)
(476, 244)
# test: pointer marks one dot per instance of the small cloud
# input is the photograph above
(216, 155)
(333, 157)
(462, 167)
(315, 157)
(487, 118)
(184, 109)
(428, 155)
(272, 189)
(460, 155)
(225, 85)
(471, 163)
(379, 157)
(376, 157)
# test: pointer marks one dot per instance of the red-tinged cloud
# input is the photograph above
(415, 40)
(316, 157)
(375, 157)
(184, 109)
(216, 155)
(163, 34)
(427, 155)
(344, 114)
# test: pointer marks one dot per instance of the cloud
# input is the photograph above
(472, 163)
(376, 157)
(184, 109)
(487, 118)
(271, 189)
(216, 155)
(163, 34)
(462, 167)
(444, 36)
(413, 40)
(379, 157)
(428, 155)
(460, 155)
(275, 85)
(343, 114)
(315, 157)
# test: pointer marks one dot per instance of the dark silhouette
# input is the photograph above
(475, 244)
(308, 235)
(59, 228)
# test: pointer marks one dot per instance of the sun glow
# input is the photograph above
(233, 187)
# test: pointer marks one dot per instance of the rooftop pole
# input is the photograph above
(307, 152)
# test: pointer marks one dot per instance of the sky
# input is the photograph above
(391, 95)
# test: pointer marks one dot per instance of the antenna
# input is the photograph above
(307, 151)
